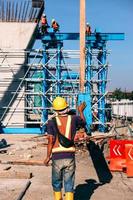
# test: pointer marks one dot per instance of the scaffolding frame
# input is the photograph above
(47, 68)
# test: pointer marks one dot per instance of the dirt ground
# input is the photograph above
(93, 178)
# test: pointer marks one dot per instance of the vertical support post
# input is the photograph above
(58, 67)
(26, 88)
(83, 97)
(88, 72)
(102, 88)
(82, 45)
(88, 88)
(44, 88)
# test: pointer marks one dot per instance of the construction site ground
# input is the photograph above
(93, 179)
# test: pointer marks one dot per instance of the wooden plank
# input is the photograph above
(82, 45)
(23, 162)
(15, 174)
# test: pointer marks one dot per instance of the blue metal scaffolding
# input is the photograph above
(96, 41)
(57, 79)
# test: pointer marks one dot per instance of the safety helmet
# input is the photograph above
(59, 103)
(43, 15)
(87, 24)
(53, 20)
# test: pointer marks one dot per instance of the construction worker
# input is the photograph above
(44, 24)
(88, 29)
(54, 25)
(62, 151)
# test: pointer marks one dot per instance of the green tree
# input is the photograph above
(118, 94)
(131, 96)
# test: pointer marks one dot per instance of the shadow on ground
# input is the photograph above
(85, 191)
(99, 162)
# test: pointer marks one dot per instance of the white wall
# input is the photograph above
(123, 108)
(14, 38)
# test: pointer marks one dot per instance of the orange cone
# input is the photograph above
(129, 159)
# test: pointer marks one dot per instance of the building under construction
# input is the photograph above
(31, 76)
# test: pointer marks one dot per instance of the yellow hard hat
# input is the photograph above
(59, 103)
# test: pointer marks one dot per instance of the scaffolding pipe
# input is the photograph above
(102, 89)
(58, 67)
(44, 86)
(88, 88)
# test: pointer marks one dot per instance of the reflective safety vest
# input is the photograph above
(88, 30)
(55, 26)
(43, 21)
(57, 146)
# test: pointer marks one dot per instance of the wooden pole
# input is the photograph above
(82, 45)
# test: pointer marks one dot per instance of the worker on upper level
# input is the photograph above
(55, 25)
(44, 24)
(88, 29)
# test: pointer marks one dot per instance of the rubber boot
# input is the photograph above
(57, 196)
(69, 196)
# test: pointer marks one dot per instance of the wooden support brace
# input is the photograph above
(82, 45)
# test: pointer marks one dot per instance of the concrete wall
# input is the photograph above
(16, 35)
(14, 38)
(123, 108)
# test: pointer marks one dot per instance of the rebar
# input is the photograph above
(20, 11)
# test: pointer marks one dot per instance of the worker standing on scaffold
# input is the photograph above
(61, 132)
(44, 24)
(55, 25)
(88, 29)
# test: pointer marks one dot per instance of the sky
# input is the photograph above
(111, 16)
